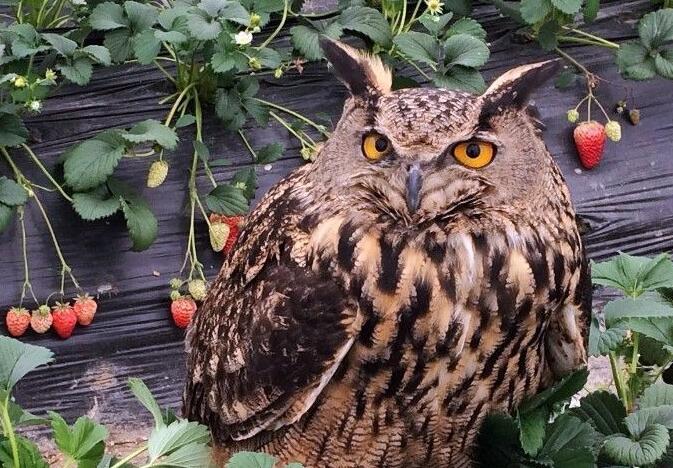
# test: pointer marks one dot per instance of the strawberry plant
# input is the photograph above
(172, 442)
(631, 427)
(208, 52)
(25, 81)
(444, 49)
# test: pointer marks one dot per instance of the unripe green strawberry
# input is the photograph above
(85, 309)
(17, 321)
(613, 130)
(197, 289)
(219, 233)
(573, 115)
(157, 173)
(175, 295)
(234, 222)
(41, 319)
(65, 319)
(175, 283)
(182, 311)
(590, 143)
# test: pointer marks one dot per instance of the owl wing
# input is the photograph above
(568, 330)
(270, 335)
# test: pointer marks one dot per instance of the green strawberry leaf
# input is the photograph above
(106, 16)
(591, 10)
(185, 121)
(534, 11)
(465, 50)
(11, 193)
(79, 71)
(18, 359)
(64, 46)
(305, 39)
(462, 78)
(251, 459)
(419, 47)
(12, 130)
(467, 26)
(98, 53)
(604, 411)
(246, 181)
(152, 130)
(83, 442)
(435, 24)
(146, 46)
(227, 200)
(369, 22)
(634, 61)
(634, 275)
(6, 216)
(658, 394)
(569, 7)
(269, 153)
(560, 391)
(90, 163)
(532, 429)
(168, 439)
(140, 221)
(649, 447)
(96, 204)
(119, 43)
(143, 394)
(29, 454)
(656, 28)
(141, 16)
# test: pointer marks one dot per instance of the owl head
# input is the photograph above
(419, 154)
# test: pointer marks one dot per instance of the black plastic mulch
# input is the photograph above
(627, 203)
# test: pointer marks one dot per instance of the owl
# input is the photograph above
(424, 271)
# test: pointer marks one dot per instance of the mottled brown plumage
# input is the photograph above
(354, 328)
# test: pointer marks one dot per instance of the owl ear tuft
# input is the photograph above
(361, 72)
(514, 88)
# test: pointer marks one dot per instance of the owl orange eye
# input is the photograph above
(474, 154)
(375, 146)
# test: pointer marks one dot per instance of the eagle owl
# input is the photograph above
(424, 271)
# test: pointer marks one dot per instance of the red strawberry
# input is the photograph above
(17, 320)
(65, 319)
(235, 224)
(85, 309)
(41, 319)
(590, 142)
(182, 310)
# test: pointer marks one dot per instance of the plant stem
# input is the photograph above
(580, 40)
(44, 170)
(616, 376)
(425, 75)
(129, 457)
(168, 76)
(24, 248)
(65, 268)
(8, 431)
(247, 145)
(286, 6)
(404, 16)
(177, 103)
(281, 121)
(318, 127)
(606, 43)
(413, 16)
(578, 65)
(635, 337)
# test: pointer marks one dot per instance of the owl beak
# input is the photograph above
(414, 184)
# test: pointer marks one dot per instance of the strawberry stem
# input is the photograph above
(8, 429)
(65, 268)
(24, 247)
(44, 170)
